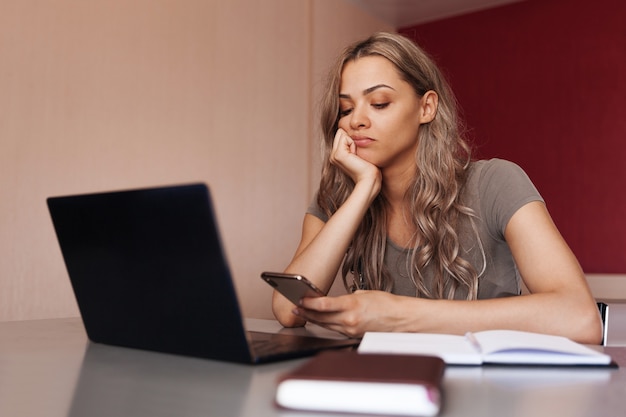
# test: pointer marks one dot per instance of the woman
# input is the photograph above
(427, 239)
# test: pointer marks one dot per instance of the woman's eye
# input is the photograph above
(380, 106)
(345, 112)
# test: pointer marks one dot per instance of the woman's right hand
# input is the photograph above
(344, 155)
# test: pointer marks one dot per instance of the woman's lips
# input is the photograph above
(362, 142)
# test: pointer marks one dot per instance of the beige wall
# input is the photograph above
(111, 94)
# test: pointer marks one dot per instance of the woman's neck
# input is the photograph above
(395, 185)
(400, 228)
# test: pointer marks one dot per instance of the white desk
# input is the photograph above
(48, 368)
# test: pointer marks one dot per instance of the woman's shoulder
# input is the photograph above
(493, 166)
(498, 175)
(497, 188)
(496, 172)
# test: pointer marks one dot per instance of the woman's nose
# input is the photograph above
(358, 118)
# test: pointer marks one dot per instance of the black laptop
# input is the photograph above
(148, 271)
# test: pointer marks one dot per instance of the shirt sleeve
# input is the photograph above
(315, 210)
(504, 188)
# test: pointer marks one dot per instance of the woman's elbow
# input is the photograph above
(589, 327)
(289, 319)
(282, 310)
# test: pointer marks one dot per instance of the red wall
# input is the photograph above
(543, 83)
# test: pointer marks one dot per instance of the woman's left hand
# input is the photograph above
(352, 314)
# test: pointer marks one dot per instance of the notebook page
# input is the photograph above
(510, 346)
(452, 349)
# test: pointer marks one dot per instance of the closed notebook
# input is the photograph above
(346, 381)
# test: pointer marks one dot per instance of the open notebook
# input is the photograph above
(503, 347)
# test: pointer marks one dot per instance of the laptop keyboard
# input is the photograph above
(288, 345)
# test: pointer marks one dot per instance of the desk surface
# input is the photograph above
(48, 368)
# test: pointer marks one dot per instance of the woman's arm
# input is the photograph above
(322, 249)
(559, 301)
(324, 245)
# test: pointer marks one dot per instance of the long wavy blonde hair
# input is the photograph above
(442, 158)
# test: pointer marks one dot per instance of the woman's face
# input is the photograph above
(381, 112)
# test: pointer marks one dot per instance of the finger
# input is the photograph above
(336, 327)
(343, 142)
(323, 305)
(321, 319)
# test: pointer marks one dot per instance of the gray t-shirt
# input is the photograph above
(495, 190)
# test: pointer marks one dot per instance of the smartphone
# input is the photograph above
(292, 286)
